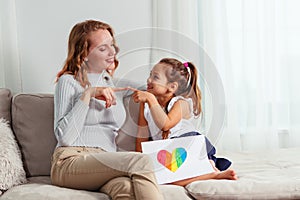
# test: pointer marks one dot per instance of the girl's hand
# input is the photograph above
(142, 96)
(165, 134)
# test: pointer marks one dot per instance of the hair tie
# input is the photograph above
(186, 64)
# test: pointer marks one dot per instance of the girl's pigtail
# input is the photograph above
(193, 89)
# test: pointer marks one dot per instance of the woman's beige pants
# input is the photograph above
(121, 175)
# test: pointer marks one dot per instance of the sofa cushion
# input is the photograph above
(127, 133)
(32, 122)
(11, 166)
(5, 102)
(174, 192)
(273, 174)
(38, 191)
(170, 192)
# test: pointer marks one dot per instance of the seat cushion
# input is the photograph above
(174, 192)
(127, 134)
(38, 191)
(262, 175)
(40, 188)
(32, 122)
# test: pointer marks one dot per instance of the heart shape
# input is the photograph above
(172, 161)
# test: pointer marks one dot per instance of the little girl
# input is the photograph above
(167, 107)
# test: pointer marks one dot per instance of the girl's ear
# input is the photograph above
(172, 87)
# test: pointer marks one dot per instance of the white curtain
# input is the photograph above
(172, 20)
(10, 73)
(255, 46)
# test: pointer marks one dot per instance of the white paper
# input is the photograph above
(191, 150)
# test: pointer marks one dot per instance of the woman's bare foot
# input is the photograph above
(227, 174)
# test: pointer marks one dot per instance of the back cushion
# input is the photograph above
(127, 133)
(32, 122)
(5, 102)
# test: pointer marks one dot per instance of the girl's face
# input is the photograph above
(101, 52)
(157, 83)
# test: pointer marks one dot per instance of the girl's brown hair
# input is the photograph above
(78, 49)
(186, 75)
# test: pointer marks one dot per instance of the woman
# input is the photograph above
(88, 112)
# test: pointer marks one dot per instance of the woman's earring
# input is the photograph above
(86, 59)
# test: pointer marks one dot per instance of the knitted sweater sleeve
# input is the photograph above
(70, 112)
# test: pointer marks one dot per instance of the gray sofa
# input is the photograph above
(31, 118)
(274, 175)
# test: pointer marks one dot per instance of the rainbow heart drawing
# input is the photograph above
(172, 161)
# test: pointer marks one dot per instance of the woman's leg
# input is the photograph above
(83, 168)
(119, 189)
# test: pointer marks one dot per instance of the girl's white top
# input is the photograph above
(183, 126)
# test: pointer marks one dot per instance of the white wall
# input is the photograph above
(42, 29)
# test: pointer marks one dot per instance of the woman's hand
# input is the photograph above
(106, 94)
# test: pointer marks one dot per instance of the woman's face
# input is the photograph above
(101, 52)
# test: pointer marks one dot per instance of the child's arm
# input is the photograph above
(162, 120)
(143, 132)
(165, 121)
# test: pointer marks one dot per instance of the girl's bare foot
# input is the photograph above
(227, 174)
